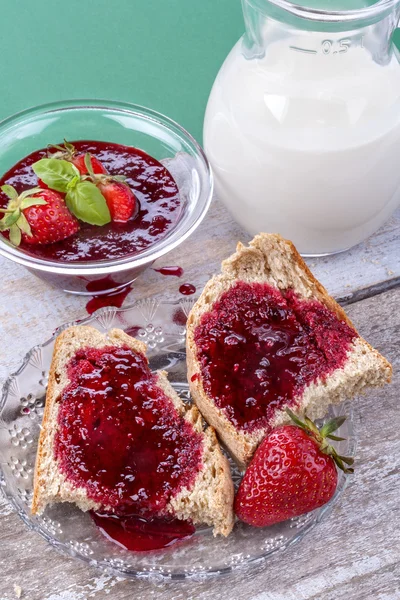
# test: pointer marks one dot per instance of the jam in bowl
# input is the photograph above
(127, 187)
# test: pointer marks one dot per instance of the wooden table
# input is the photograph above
(355, 553)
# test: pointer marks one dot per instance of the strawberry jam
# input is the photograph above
(120, 437)
(187, 289)
(152, 184)
(170, 271)
(259, 348)
(141, 535)
(114, 299)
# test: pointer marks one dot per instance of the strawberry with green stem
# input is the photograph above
(68, 152)
(37, 216)
(293, 471)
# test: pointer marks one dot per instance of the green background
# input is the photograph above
(163, 54)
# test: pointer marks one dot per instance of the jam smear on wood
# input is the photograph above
(187, 289)
(170, 271)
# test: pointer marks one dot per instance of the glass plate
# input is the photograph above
(161, 325)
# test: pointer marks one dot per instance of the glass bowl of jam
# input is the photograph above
(163, 166)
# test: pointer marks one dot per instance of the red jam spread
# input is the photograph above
(140, 535)
(152, 184)
(259, 348)
(120, 437)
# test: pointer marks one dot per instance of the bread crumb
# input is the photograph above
(18, 590)
(390, 272)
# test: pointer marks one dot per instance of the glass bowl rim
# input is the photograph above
(158, 576)
(149, 255)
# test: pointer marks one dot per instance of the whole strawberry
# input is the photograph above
(37, 216)
(293, 472)
(68, 152)
(79, 161)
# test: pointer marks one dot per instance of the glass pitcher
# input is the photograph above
(302, 126)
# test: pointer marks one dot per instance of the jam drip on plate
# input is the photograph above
(258, 349)
(120, 437)
(141, 535)
(152, 184)
(113, 299)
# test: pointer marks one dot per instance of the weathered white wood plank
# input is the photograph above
(353, 555)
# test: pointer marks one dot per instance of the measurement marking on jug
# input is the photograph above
(330, 47)
(305, 50)
(336, 47)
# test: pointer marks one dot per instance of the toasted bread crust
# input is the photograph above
(45, 466)
(50, 485)
(271, 259)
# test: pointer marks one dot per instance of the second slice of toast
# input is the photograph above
(273, 262)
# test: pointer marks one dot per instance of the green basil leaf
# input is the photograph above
(88, 204)
(73, 182)
(55, 173)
